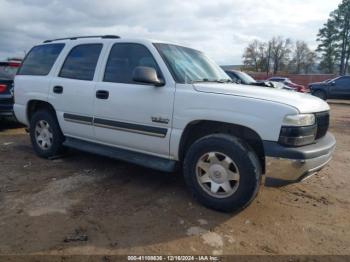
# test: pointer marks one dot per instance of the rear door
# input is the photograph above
(33, 79)
(72, 90)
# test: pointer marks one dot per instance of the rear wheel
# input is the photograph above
(45, 134)
(222, 172)
(320, 94)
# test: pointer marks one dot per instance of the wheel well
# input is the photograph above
(36, 105)
(198, 129)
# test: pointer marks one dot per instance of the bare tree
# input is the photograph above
(251, 55)
(277, 55)
(303, 58)
(255, 56)
(280, 52)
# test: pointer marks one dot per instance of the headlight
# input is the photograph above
(299, 120)
(298, 130)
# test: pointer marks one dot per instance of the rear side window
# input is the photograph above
(40, 59)
(81, 62)
(124, 58)
(344, 81)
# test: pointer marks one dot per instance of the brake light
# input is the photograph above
(14, 64)
(3, 88)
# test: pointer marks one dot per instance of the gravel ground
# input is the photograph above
(86, 204)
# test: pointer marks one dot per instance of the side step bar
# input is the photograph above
(144, 160)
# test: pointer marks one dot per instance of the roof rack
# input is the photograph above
(78, 37)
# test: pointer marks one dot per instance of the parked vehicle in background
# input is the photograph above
(243, 78)
(163, 106)
(288, 82)
(338, 88)
(8, 71)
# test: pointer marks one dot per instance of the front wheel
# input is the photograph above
(222, 172)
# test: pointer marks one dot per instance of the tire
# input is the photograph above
(320, 94)
(245, 163)
(56, 138)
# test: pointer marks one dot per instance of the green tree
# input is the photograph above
(334, 38)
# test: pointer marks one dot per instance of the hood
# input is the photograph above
(304, 103)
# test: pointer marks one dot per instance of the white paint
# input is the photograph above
(258, 108)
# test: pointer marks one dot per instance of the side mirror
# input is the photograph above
(148, 75)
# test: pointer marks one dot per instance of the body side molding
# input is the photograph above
(87, 120)
(129, 127)
(117, 125)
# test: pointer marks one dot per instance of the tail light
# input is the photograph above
(3, 88)
(14, 64)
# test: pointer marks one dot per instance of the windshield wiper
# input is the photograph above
(200, 80)
(224, 81)
(212, 80)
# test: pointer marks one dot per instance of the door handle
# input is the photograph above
(58, 89)
(102, 94)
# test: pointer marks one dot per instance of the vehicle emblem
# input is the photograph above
(159, 119)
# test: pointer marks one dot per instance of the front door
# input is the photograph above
(341, 87)
(128, 114)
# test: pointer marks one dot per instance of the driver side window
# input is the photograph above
(124, 58)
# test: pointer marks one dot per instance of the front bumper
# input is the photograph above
(286, 165)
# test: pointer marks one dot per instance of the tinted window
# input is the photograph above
(343, 80)
(81, 62)
(232, 76)
(124, 58)
(40, 59)
(7, 72)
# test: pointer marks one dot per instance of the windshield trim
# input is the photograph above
(156, 45)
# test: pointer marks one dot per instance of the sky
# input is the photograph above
(220, 28)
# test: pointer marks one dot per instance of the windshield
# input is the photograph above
(246, 79)
(7, 72)
(188, 65)
(331, 80)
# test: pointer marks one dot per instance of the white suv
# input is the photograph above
(164, 106)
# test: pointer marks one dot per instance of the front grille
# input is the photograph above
(322, 120)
